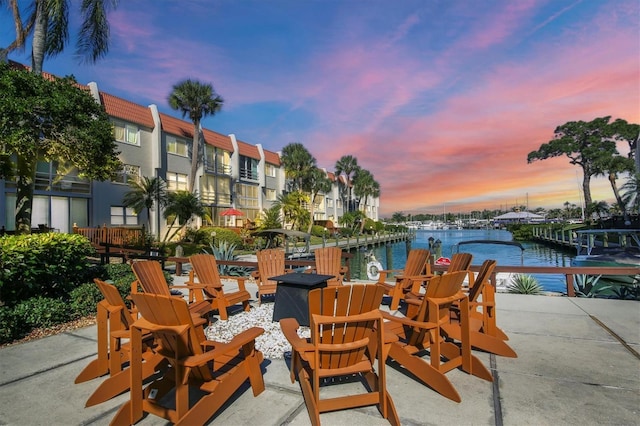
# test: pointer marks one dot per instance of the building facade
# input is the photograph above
(232, 173)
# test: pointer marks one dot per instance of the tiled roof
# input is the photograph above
(217, 140)
(331, 176)
(247, 150)
(271, 158)
(45, 75)
(126, 110)
(176, 126)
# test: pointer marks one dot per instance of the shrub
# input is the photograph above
(225, 235)
(10, 326)
(48, 265)
(42, 311)
(84, 300)
(524, 284)
(589, 285)
(224, 251)
(318, 231)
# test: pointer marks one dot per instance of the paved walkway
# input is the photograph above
(578, 364)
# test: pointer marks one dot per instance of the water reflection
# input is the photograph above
(395, 255)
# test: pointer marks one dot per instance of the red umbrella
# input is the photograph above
(231, 212)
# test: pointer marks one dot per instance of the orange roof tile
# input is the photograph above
(248, 150)
(217, 140)
(271, 157)
(126, 110)
(176, 126)
(331, 176)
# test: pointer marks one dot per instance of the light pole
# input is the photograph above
(324, 237)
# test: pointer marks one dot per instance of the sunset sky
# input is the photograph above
(440, 100)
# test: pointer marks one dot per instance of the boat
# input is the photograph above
(609, 247)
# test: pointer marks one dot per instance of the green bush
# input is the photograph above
(84, 300)
(524, 284)
(42, 311)
(10, 327)
(318, 231)
(49, 265)
(225, 235)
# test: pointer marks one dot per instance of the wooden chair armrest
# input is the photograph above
(409, 322)
(290, 328)
(240, 280)
(222, 349)
(255, 275)
(385, 272)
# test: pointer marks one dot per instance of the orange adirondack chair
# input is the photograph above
(347, 336)
(460, 262)
(406, 280)
(484, 334)
(113, 322)
(270, 264)
(328, 262)
(209, 282)
(151, 278)
(424, 331)
(216, 369)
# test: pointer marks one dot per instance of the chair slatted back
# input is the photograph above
(270, 264)
(328, 262)
(460, 262)
(114, 298)
(440, 287)
(416, 262)
(150, 277)
(206, 270)
(343, 335)
(486, 270)
(175, 329)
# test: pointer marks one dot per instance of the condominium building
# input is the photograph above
(232, 173)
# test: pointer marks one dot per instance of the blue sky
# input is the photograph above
(440, 100)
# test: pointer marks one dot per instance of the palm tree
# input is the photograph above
(181, 207)
(298, 164)
(316, 182)
(48, 22)
(630, 197)
(145, 193)
(292, 210)
(346, 165)
(197, 100)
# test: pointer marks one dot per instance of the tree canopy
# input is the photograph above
(196, 100)
(51, 119)
(590, 145)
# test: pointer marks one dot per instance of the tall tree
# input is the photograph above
(585, 144)
(346, 165)
(317, 182)
(51, 119)
(197, 100)
(298, 164)
(145, 193)
(48, 24)
(365, 186)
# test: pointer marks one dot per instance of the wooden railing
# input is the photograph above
(568, 271)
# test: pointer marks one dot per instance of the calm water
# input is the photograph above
(533, 255)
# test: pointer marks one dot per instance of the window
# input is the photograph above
(270, 194)
(248, 168)
(329, 203)
(123, 216)
(176, 146)
(270, 170)
(176, 182)
(127, 133)
(247, 195)
(129, 173)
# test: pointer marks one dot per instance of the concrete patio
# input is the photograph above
(578, 363)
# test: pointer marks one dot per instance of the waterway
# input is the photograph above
(534, 254)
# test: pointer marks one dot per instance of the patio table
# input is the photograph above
(292, 296)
